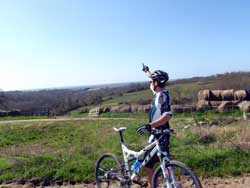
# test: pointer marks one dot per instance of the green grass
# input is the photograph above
(22, 117)
(69, 150)
(125, 115)
(208, 114)
(220, 162)
(129, 97)
(77, 113)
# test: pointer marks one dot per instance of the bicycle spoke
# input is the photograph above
(180, 177)
(107, 171)
(101, 169)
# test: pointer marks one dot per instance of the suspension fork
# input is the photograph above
(165, 170)
(168, 174)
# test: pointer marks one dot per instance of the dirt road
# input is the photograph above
(213, 182)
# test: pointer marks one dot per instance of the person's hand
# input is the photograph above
(145, 68)
(143, 128)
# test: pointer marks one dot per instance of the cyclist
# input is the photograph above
(159, 115)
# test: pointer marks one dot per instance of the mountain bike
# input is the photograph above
(111, 173)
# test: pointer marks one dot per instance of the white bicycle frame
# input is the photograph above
(129, 155)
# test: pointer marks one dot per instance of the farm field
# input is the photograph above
(181, 91)
(66, 151)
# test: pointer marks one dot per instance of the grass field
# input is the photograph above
(68, 150)
(177, 91)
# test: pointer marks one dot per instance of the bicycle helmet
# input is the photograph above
(160, 76)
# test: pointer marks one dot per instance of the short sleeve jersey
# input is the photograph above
(160, 105)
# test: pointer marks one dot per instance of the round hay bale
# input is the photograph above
(245, 106)
(141, 108)
(215, 103)
(227, 95)
(146, 108)
(138, 108)
(227, 105)
(105, 109)
(203, 105)
(215, 95)
(125, 109)
(240, 95)
(182, 109)
(204, 95)
(115, 109)
(134, 108)
(235, 102)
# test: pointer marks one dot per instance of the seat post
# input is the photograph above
(121, 137)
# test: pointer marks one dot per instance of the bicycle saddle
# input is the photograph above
(119, 129)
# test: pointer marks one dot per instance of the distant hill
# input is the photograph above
(84, 87)
(182, 91)
(61, 101)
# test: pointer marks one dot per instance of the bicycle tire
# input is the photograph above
(184, 177)
(107, 165)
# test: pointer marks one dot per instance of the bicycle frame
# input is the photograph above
(154, 148)
(130, 155)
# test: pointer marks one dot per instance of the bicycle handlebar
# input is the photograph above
(158, 131)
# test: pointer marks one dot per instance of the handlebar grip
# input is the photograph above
(157, 131)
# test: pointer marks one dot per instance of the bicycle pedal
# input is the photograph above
(144, 184)
(141, 183)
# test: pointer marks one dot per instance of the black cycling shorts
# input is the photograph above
(164, 145)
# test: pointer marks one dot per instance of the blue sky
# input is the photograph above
(55, 43)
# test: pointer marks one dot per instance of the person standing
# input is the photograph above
(159, 116)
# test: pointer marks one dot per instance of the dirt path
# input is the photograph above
(230, 182)
(213, 182)
(64, 118)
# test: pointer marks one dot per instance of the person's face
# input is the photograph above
(153, 85)
(153, 82)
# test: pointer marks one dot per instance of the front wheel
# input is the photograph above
(107, 172)
(179, 177)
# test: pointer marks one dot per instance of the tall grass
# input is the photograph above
(69, 150)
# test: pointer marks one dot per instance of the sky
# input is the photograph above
(58, 43)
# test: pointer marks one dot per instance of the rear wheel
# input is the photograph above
(179, 176)
(107, 171)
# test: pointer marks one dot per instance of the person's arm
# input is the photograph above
(161, 121)
(164, 101)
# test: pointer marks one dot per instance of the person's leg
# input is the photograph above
(149, 168)
(149, 172)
